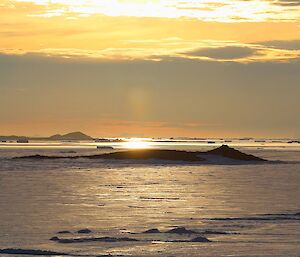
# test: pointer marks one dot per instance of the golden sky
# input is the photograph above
(155, 45)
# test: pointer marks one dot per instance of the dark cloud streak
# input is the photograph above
(226, 52)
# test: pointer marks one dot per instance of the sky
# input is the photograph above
(150, 68)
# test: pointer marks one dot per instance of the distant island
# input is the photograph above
(223, 153)
(73, 136)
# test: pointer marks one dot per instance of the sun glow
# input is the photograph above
(207, 10)
(137, 143)
(148, 30)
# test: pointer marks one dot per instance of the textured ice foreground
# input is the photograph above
(245, 210)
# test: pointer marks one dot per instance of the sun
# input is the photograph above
(137, 143)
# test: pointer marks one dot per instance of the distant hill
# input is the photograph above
(71, 136)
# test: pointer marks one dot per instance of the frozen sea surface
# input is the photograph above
(256, 205)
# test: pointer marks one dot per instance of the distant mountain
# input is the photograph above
(71, 136)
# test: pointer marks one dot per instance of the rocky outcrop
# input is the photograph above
(84, 231)
(166, 155)
(146, 154)
(181, 230)
(30, 252)
(231, 153)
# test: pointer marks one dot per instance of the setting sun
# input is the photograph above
(137, 143)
